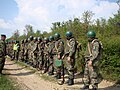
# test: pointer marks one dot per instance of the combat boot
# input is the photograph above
(50, 73)
(58, 76)
(71, 82)
(85, 87)
(95, 87)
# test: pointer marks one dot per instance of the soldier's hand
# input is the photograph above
(68, 59)
(63, 57)
(90, 63)
(58, 56)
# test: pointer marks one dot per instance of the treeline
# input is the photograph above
(108, 31)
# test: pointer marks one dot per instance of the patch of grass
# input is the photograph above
(48, 78)
(25, 65)
(7, 84)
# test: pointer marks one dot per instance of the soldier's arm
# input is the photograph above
(95, 51)
(1, 48)
(61, 48)
(72, 48)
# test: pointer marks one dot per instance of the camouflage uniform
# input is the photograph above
(93, 54)
(2, 54)
(46, 57)
(22, 50)
(30, 51)
(70, 51)
(40, 55)
(35, 53)
(11, 49)
(18, 50)
(51, 57)
(59, 50)
(25, 51)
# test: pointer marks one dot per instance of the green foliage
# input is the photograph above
(108, 31)
(7, 84)
(110, 65)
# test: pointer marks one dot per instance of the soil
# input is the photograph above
(29, 79)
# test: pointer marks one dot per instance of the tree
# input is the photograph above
(87, 19)
(16, 35)
(38, 33)
(29, 30)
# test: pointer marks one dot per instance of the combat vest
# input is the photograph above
(15, 47)
(71, 49)
(96, 61)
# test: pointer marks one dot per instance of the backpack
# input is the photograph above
(100, 47)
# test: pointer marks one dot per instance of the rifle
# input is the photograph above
(63, 69)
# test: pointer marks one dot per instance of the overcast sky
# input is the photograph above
(15, 14)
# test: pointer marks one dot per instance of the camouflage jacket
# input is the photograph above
(40, 48)
(71, 47)
(46, 48)
(59, 47)
(51, 47)
(2, 53)
(93, 50)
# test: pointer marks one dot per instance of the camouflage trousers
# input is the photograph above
(51, 66)
(70, 68)
(91, 76)
(2, 63)
(21, 56)
(40, 61)
(46, 63)
(35, 59)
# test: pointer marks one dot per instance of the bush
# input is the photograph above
(110, 66)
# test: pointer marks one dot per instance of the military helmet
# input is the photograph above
(91, 34)
(28, 39)
(57, 35)
(17, 41)
(46, 39)
(22, 41)
(25, 41)
(51, 38)
(39, 38)
(31, 37)
(35, 38)
(69, 34)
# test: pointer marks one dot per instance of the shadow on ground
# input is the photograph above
(21, 74)
(16, 68)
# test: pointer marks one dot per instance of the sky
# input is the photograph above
(15, 14)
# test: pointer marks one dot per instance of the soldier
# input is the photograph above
(51, 55)
(2, 52)
(59, 51)
(25, 49)
(40, 53)
(30, 49)
(22, 45)
(46, 59)
(35, 52)
(16, 50)
(7, 47)
(92, 57)
(70, 51)
(11, 49)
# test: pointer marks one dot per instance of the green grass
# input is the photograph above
(7, 84)
(25, 65)
(48, 78)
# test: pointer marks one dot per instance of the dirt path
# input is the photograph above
(30, 80)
